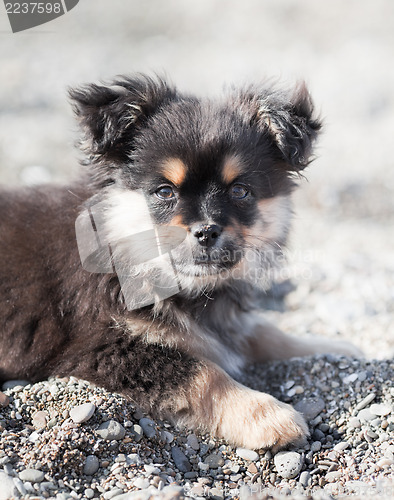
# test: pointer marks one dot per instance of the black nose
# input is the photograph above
(206, 234)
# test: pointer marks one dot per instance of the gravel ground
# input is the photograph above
(338, 282)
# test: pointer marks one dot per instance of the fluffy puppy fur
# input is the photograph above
(222, 172)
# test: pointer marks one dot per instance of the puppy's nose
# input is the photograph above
(206, 234)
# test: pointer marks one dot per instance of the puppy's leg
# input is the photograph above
(193, 392)
(269, 343)
(242, 416)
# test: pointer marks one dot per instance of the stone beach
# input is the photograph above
(66, 439)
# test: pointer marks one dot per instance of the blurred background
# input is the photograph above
(345, 53)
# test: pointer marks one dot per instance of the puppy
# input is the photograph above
(142, 276)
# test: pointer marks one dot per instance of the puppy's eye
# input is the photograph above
(238, 191)
(165, 193)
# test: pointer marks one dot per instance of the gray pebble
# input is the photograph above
(316, 446)
(133, 459)
(137, 432)
(8, 469)
(365, 402)
(111, 430)
(192, 441)
(8, 488)
(82, 413)
(31, 475)
(214, 460)
(362, 376)
(148, 426)
(191, 475)
(89, 493)
(19, 485)
(304, 478)
(318, 435)
(246, 454)
(180, 459)
(288, 464)
(380, 409)
(91, 465)
(167, 437)
(310, 407)
(11, 384)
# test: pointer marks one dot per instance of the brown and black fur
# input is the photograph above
(172, 358)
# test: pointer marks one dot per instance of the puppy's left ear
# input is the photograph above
(110, 115)
(289, 120)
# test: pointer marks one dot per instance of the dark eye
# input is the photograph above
(165, 193)
(238, 191)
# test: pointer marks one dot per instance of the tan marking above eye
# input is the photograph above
(178, 222)
(175, 171)
(232, 168)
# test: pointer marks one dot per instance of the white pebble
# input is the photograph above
(380, 409)
(82, 413)
(247, 454)
(31, 475)
(288, 464)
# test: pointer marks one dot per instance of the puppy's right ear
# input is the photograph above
(110, 114)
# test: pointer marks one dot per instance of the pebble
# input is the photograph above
(31, 475)
(111, 430)
(310, 407)
(333, 476)
(141, 483)
(40, 419)
(151, 470)
(11, 384)
(149, 427)
(4, 399)
(89, 493)
(214, 460)
(180, 459)
(252, 468)
(246, 454)
(91, 466)
(365, 402)
(380, 409)
(137, 432)
(112, 493)
(365, 415)
(7, 487)
(20, 486)
(304, 478)
(343, 445)
(82, 413)
(192, 441)
(288, 464)
(316, 446)
(354, 423)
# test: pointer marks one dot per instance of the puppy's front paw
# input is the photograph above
(256, 420)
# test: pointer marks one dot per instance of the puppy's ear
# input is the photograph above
(289, 120)
(110, 114)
